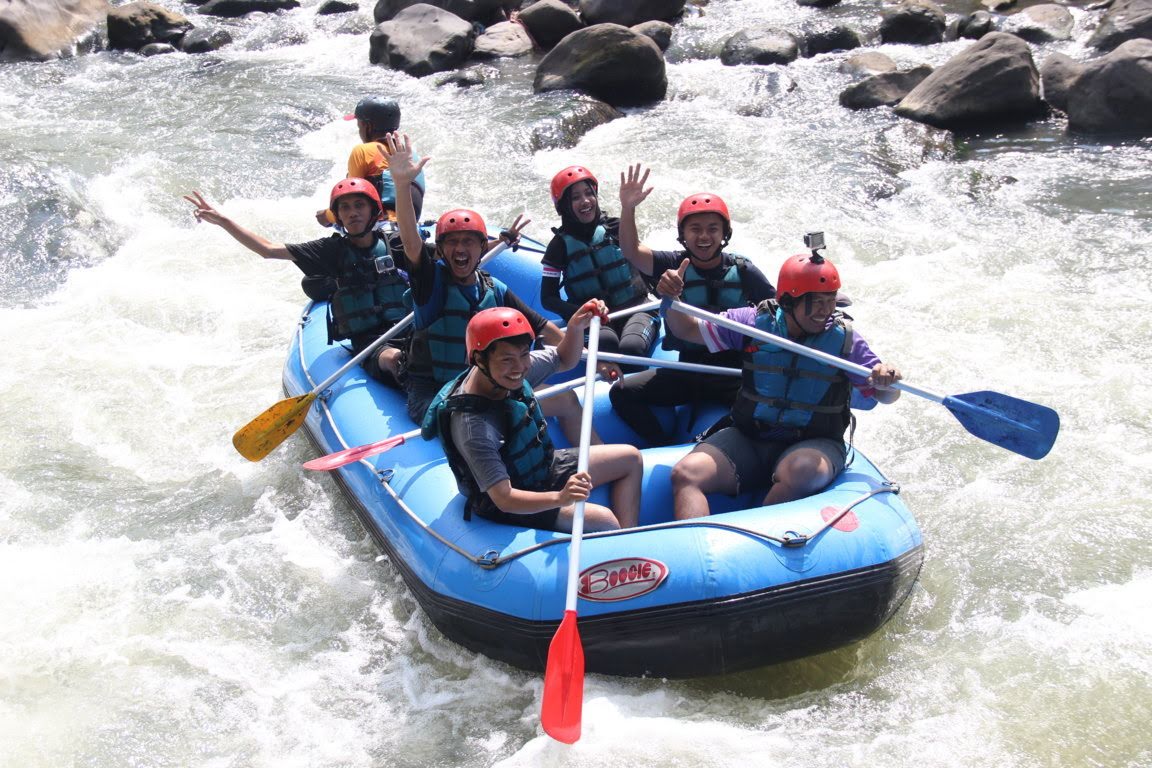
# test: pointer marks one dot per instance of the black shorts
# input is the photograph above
(754, 461)
(564, 464)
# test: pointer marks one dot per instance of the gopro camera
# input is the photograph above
(385, 264)
(814, 241)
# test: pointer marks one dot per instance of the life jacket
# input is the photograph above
(598, 270)
(725, 291)
(365, 300)
(381, 178)
(527, 450)
(437, 348)
(787, 396)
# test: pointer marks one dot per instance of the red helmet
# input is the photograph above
(354, 186)
(806, 273)
(568, 177)
(703, 202)
(460, 220)
(490, 325)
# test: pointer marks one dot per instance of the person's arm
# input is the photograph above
(261, 246)
(756, 285)
(555, 256)
(882, 378)
(572, 345)
(632, 193)
(398, 150)
(513, 501)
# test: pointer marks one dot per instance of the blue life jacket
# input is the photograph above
(787, 396)
(527, 451)
(386, 186)
(716, 295)
(598, 270)
(437, 347)
(366, 300)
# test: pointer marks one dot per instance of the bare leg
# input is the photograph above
(389, 360)
(566, 409)
(705, 470)
(801, 473)
(596, 518)
(623, 466)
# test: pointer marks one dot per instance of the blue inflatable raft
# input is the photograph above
(746, 587)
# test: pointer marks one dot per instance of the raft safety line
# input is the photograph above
(491, 559)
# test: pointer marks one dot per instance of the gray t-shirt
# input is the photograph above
(480, 436)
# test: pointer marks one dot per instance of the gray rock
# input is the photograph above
(549, 22)
(231, 9)
(468, 77)
(660, 32)
(884, 89)
(916, 22)
(1113, 95)
(135, 25)
(628, 13)
(332, 7)
(866, 63)
(422, 39)
(483, 11)
(817, 3)
(838, 38)
(760, 45)
(565, 130)
(157, 49)
(503, 40)
(975, 25)
(37, 30)
(1057, 74)
(205, 40)
(994, 81)
(1125, 20)
(607, 61)
(1041, 23)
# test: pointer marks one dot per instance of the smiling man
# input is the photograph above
(496, 440)
(791, 413)
(709, 278)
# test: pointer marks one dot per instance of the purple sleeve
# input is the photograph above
(718, 338)
(861, 354)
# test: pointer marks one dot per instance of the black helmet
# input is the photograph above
(382, 114)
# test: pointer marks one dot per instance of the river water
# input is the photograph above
(166, 603)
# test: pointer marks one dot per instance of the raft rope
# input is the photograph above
(492, 559)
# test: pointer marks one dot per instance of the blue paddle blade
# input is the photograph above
(1018, 425)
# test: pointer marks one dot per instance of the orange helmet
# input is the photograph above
(490, 325)
(807, 273)
(460, 220)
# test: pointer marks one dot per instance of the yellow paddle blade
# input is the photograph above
(259, 437)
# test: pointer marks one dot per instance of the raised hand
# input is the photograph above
(204, 210)
(398, 148)
(632, 191)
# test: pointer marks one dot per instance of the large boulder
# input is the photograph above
(503, 40)
(36, 30)
(1057, 74)
(916, 22)
(824, 39)
(991, 82)
(234, 9)
(628, 13)
(205, 40)
(659, 32)
(422, 39)
(1124, 20)
(483, 11)
(1113, 94)
(1041, 23)
(549, 22)
(884, 89)
(607, 61)
(760, 45)
(867, 63)
(135, 25)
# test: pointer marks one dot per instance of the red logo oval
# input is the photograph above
(621, 579)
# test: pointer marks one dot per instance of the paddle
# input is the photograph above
(564, 675)
(1017, 425)
(263, 434)
(350, 455)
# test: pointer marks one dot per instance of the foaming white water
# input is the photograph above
(166, 602)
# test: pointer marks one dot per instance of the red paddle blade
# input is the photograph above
(349, 455)
(564, 683)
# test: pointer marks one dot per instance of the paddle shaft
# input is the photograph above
(390, 334)
(582, 461)
(676, 365)
(645, 307)
(792, 346)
